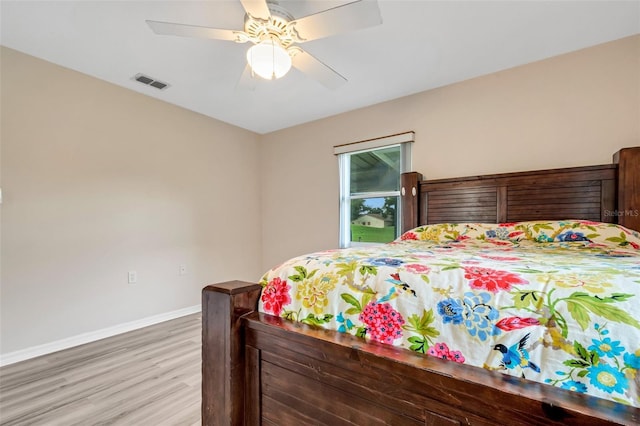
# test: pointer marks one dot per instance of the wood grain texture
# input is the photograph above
(409, 201)
(572, 193)
(149, 376)
(628, 208)
(223, 352)
(253, 397)
(335, 378)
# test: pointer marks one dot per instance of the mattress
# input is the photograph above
(557, 302)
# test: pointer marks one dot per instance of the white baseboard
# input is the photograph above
(92, 336)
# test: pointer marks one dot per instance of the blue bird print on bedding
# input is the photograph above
(516, 355)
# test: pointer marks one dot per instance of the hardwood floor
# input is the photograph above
(149, 376)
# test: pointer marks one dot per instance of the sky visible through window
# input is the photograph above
(373, 203)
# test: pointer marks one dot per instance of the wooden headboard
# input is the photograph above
(605, 193)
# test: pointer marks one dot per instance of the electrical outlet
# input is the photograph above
(133, 277)
(183, 270)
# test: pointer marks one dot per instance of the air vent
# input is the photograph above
(158, 85)
(145, 79)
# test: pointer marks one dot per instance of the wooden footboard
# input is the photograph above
(261, 369)
(223, 350)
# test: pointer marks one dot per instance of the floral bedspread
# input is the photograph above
(554, 302)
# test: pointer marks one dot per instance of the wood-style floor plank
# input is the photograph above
(150, 376)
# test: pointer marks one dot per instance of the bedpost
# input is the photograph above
(628, 208)
(410, 200)
(223, 355)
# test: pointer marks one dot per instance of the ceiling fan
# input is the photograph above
(275, 36)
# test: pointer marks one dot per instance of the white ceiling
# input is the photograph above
(419, 46)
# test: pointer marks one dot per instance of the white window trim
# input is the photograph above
(403, 140)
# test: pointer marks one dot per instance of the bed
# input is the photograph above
(261, 367)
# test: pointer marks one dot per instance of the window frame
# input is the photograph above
(344, 153)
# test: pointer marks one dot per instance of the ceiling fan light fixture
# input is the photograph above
(269, 59)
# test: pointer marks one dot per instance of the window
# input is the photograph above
(370, 188)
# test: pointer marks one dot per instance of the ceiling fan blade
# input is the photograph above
(247, 80)
(256, 8)
(348, 17)
(183, 30)
(311, 66)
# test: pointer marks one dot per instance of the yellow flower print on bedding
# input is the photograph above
(595, 283)
(431, 233)
(313, 292)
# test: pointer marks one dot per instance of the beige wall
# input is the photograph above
(99, 180)
(571, 110)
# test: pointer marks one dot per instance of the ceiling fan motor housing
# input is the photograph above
(277, 25)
